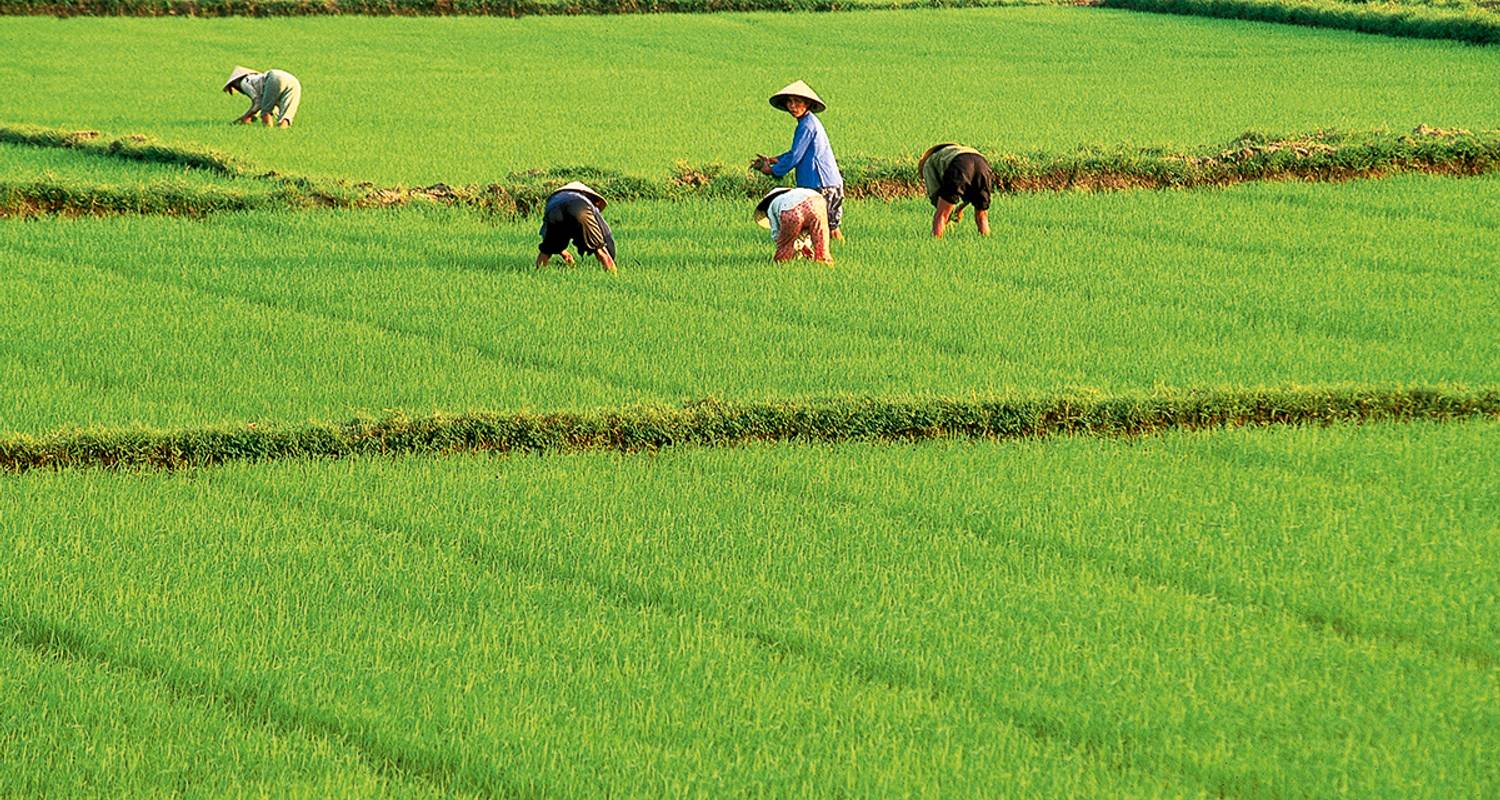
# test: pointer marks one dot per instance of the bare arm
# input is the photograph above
(543, 258)
(982, 219)
(605, 259)
(254, 106)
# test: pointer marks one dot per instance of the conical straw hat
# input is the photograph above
(762, 209)
(802, 90)
(239, 72)
(580, 188)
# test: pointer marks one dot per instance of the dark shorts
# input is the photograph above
(968, 179)
(577, 222)
(834, 196)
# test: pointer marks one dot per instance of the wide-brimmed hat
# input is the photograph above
(575, 186)
(239, 72)
(815, 103)
(921, 162)
(762, 209)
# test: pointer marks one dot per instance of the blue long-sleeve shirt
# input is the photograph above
(810, 155)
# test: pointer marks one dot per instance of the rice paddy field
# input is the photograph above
(464, 100)
(294, 316)
(1293, 611)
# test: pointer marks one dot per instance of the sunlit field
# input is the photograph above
(1183, 609)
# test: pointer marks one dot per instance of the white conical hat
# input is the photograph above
(802, 90)
(762, 213)
(580, 188)
(239, 72)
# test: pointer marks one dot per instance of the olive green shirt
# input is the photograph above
(937, 164)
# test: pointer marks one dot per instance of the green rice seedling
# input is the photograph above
(1205, 614)
(286, 317)
(498, 8)
(93, 180)
(52, 157)
(1054, 79)
(1463, 20)
(77, 725)
(1323, 155)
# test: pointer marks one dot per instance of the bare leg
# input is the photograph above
(820, 235)
(940, 217)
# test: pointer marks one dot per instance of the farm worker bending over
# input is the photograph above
(798, 219)
(956, 175)
(811, 155)
(573, 215)
(272, 91)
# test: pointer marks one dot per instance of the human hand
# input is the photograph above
(567, 258)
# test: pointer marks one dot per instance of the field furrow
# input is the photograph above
(441, 310)
(104, 728)
(1157, 567)
(884, 613)
(249, 702)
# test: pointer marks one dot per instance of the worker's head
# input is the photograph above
(797, 99)
(235, 78)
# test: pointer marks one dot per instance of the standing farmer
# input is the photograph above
(811, 155)
(273, 91)
(955, 175)
(798, 219)
(572, 214)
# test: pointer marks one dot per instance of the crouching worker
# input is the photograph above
(273, 92)
(956, 176)
(798, 219)
(572, 215)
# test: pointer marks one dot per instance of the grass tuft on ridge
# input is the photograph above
(713, 423)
